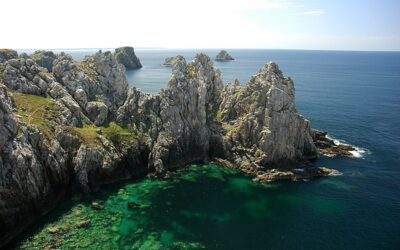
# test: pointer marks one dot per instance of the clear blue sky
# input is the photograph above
(279, 24)
(339, 24)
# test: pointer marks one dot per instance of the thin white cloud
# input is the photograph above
(311, 13)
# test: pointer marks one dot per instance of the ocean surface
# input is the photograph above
(355, 96)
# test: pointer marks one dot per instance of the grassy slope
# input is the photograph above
(36, 110)
(40, 111)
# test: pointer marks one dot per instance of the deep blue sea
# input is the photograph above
(355, 96)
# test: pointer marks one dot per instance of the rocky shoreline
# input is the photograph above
(328, 146)
(67, 127)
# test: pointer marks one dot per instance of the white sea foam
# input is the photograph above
(335, 173)
(356, 153)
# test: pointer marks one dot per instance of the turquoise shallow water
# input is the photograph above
(353, 95)
(209, 207)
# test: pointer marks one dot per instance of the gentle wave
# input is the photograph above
(358, 152)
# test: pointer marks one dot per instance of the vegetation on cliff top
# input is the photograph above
(112, 131)
(40, 111)
(36, 110)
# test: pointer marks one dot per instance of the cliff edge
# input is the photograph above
(68, 131)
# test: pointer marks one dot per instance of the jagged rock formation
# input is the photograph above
(170, 61)
(261, 122)
(80, 126)
(328, 146)
(7, 54)
(223, 55)
(44, 59)
(25, 76)
(126, 56)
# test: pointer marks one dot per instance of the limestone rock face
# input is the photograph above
(97, 78)
(8, 127)
(141, 111)
(88, 128)
(7, 54)
(223, 55)
(26, 76)
(97, 112)
(186, 113)
(44, 59)
(262, 126)
(126, 56)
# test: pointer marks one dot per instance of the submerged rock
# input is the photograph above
(294, 174)
(96, 206)
(223, 55)
(132, 204)
(83, 224)
(126, 56)
(54, 230)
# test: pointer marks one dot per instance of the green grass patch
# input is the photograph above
(112, 131)
(36, 110)
(40, 111)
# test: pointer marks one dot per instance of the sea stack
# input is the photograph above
(223, 55)
(126, 56)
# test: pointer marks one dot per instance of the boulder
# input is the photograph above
(97, 112)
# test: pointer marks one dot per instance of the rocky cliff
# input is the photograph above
(79, 126)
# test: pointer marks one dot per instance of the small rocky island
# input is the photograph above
(67, 127)
(170, 61)
(127, 57)
(223, 55)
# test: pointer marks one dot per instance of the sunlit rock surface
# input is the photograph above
(80, 126)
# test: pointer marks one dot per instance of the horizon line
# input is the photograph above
(197, 48)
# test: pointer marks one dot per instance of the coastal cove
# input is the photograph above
(209, 207)
(352, 95)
